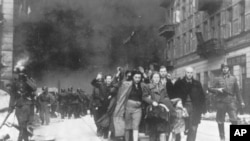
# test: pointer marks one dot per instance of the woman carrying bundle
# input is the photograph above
(159, 109)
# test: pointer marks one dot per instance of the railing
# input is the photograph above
(167, 30)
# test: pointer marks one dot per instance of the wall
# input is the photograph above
(7, 40)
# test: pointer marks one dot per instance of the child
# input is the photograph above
(178, 126)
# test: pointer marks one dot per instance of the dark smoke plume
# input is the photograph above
(83, 34)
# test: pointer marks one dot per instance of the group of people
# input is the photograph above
(134, 101)
(130, 102)
(27, 101)
(67, 102)
(72, 102)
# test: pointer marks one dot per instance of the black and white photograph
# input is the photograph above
(124, 70)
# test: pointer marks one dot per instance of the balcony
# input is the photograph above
(167, 30)
(165, 3)
(209, 5)
(212, 47)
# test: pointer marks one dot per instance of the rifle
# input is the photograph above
(3, 110)
(5, 119)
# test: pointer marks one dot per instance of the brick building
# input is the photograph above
(204, 34)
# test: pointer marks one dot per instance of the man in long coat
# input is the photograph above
(193, 98)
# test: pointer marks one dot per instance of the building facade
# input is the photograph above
(206, 33)
(11, 12)
(6, 39)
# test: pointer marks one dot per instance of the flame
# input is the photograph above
(21, 63)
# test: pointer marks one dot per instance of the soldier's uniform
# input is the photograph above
(227, 100)
(84, 102)
(45, 101)
(54, 104)
(62, 99)
(22, 99)
(75, 104)
(69, 95)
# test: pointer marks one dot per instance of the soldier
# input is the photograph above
(227, 96)
(54, 103)
(22, 98)
(84, 102)
(45, 101)
(75, 104)
(69, 100)
(62, 99)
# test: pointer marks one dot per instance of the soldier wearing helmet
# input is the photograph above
(226, 89)
(45, 101)
(22, 99)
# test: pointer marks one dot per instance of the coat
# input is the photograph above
(196, 95)
(118, 114)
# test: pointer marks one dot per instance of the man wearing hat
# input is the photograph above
(227, 98)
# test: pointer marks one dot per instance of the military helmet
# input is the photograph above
(44, 88)
(224, 65)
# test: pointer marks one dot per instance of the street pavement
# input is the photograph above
(83, 129)
(208, 131)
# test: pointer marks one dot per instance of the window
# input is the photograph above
(205, 30)
(178, 47)
(247, 6)
(242, 16)
(172, 49)
(190, 40)
(181, 46)
(236, 19)
(247, 22)
(228, 25)
(172, 15)
(166, 50)
(217, 26)
(194, 42)
(212, 27)
(206, 80)
(184, 44)
(183, 13)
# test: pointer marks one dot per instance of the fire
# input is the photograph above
(21, 63)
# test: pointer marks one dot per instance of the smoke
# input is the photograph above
(21, 63)
(88, 34)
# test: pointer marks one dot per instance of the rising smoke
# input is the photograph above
(89, 35)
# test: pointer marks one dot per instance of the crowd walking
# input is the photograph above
(166, 109)
(130, 102)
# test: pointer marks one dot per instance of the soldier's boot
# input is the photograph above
(99, 131)
(234, 122)
(23, 135)
(221, 131)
